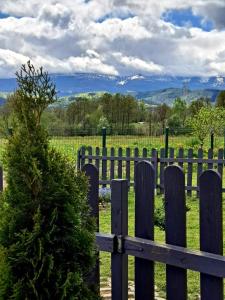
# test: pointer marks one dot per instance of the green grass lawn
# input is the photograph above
(192, 243)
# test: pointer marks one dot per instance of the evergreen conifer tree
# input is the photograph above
(46, 233)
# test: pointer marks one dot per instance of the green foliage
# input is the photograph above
(46, 233)
(220, 100)
(207, 120)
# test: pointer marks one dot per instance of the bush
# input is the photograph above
(46, 232)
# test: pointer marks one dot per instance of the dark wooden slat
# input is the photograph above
(176, 256)
(181, 156)
(171, 155)
(175, 217)
(199, 168)
(112, 164)
(161, 174)
(128, 164)
(210, 156)
(97, 151)
(144, 227)
(93, 176)
(119, 223)
(190, 172)
(120, 166)
(198, 261)
(155, 164)
(220, 166)
(144, 153)
(104, 165)
(211, 230)
(89, 150)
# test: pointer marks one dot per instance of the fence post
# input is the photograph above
(104, 137)
(166, 142)
(212, 140)
(211, 230)
(119, 224)
(93, 176)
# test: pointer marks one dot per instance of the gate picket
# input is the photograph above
(144, 227)
(211, 230)
(175, 221)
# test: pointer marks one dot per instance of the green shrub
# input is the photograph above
(46, 232)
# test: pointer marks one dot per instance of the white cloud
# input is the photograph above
(67, 36)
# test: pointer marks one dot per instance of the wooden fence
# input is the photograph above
(120, 163)
(209, 261)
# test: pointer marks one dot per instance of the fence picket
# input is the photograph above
(128, 165)
(189, 172)
(210, 156)
(161, 175)
(93, 177)
(175, 221)
(171, 155)
(104, 165)
(97, 151)
(181, 155)
(120, 163)
(144, 227)
(211, 230)
(119, 261)
(219, 165)
(155, 165)
(89, 150)
(199, 168)
(112, 164)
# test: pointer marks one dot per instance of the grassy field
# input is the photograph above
(70, 145)
(192, 243)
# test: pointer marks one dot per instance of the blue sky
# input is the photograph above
(116, 37)
(186, 18)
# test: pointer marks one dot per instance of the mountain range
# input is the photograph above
(152, 89)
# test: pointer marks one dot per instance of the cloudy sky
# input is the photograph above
(118, 37)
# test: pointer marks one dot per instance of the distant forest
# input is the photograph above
(120, 114)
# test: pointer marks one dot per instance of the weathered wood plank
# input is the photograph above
(220, 166)
(199, 167)
(171, 155)
(120, 166)
(211, 230)
(161, 174)
(128, 164)
(112, 164)
(144, 227)
(119, 261)
(181, 156)
(97, 151)
(210, 156)
(190, 172)
(104, 165)
(175, 221)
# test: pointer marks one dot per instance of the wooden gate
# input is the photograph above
(209, 261)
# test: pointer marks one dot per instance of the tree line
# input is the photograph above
(124, 115)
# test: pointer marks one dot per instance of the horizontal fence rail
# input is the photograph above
(208, 261)
(120, 163)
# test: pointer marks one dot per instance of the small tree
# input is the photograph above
(46, 232)
(207, 120)
(220, 100)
